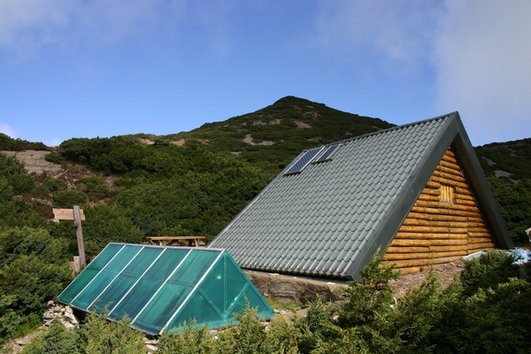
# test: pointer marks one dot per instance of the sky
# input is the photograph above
(88, 68)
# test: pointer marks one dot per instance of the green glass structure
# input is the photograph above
(161, 288)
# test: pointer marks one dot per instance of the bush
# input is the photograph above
(370, 300)
(67, 199)
(189, 339)
(15, 175)
(489, 270)
(57, 340)
(33, 270)
(94, 187)
(113, 338)
(53, 185)
(108, 223)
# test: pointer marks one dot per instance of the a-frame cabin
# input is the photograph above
(416, 192)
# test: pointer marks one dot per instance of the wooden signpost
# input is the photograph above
(76, 214)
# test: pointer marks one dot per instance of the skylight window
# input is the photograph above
(327, 153)
(303, 161)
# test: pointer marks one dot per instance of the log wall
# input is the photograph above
(437, 230)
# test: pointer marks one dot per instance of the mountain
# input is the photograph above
(508, 168)
(511, 159)
(272, 136)
(195, 182)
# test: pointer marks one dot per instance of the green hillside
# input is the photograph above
(271, 137)
(510, 159)
(508, 168)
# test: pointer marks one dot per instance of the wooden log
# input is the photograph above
(451, 153)
(462, 247)
(476, 224)
(451, 159)
(432, 198)
(479, 240)
(478, 230)
(446, 206)
(450, 170)
(404, 256)
(427, 229)
(429, 191)
(423, 262)
(414, 242)
(461, 196)
(436, 217)
(438, 211)
(466, 202)
(446, 182)
(434, 223)
(429, 236)
(406, 249)
(478, 234)
(464, 191)
(448, 178)
(433, 184)
(427, 255)
(448, 242)
(451, 165)
(480, 246)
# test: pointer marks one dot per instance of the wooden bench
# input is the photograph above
(190, 241)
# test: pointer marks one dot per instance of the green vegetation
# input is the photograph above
(10, 144)
(271, 137)
(471, 316)
(169, 190)
(508, 168)
(33, 269)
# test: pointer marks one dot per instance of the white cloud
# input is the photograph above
(53, 142)
(27, 25)
(397, 32)
(483, 64)
(6, 129)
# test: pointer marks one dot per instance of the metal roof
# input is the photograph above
(332, 217)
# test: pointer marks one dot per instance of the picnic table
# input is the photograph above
(190, 241)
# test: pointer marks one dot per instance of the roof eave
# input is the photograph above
(476, 177)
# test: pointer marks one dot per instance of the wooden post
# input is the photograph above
(79, 236)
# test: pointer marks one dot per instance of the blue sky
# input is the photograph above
(86, 68)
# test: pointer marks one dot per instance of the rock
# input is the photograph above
(49, 315)
(285, 288)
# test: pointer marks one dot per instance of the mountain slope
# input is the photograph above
(508, 168)
(509, 159)
(272, 136)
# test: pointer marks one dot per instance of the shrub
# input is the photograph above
(57, 340)
(490, 269)
(67, 199)
(108, 223)
(94, 187)
(33, 270)
(114, 338)
(15, 175)
(189, 339)
(370, 300)
(53, 184)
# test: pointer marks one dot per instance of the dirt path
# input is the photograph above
(35, 163)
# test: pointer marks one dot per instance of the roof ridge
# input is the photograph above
(448, 115)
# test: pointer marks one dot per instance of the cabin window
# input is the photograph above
(447, 194)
